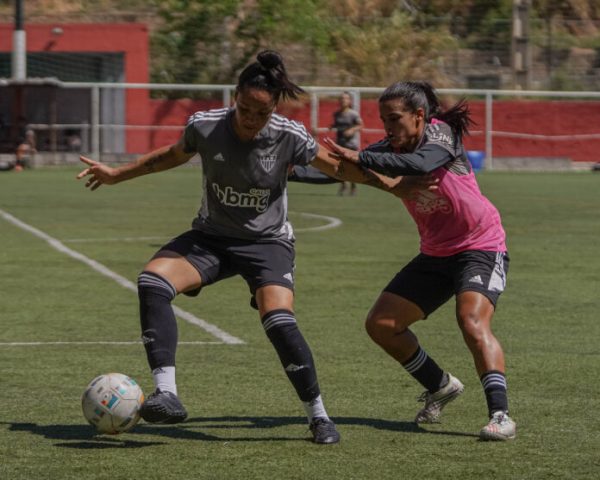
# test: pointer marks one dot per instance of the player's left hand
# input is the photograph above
(341, 153)
(97, 173)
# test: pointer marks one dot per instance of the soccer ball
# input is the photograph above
(111, 403)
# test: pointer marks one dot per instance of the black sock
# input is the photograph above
(494, 386)
(294, 353)
(159, 326)
(426, 371)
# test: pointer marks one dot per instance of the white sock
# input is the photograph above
(315, 408)
(164, 379)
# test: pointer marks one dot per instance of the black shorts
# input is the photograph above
(260, 263)
(430, 281)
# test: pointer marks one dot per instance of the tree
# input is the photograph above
(204, 41)
(381, 44)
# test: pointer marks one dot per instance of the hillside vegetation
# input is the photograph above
(353, 42)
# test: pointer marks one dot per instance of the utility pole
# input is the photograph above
(521, 49)
(19, 54)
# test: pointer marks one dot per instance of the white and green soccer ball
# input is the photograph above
(111, 403)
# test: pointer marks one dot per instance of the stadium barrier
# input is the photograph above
(515, 129)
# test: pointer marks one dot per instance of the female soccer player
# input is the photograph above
(463, 251)
(247, 152)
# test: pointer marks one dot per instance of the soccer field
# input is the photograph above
(70, 258)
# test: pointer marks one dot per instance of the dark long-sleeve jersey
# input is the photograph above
(438, 147)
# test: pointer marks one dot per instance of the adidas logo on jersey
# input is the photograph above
(289, 277)
(476, 279)
(219, 157)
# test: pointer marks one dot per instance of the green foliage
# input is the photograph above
(386, 49)
(192, 44)
(210, 42)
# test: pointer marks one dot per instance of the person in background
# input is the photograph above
(73, 141)
(25, 151)
(347, 123)
(463, 251)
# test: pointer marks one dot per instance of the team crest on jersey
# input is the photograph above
(267, 162)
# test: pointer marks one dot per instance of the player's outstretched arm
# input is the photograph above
(158, 160)
(328, 163)
(338, 166)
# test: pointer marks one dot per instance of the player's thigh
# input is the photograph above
(176, 269)
(420, 288)
(474, 312)
(189, 261)
(268, 269)
(274, 297)
(391, 311)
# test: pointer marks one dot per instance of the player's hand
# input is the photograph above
(341, 153)
(98, 173)
(408, 186)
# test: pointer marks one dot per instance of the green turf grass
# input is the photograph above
(245, 421)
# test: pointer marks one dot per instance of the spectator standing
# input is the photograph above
(347, 123)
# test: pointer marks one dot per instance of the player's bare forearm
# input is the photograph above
(326, 162)
(98, 174)
(350, 172)
(349, 161)
(158, 160)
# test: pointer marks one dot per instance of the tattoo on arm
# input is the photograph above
(357, 173)
(152, 162)
(374, 181)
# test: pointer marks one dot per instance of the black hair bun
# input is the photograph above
(269, 59)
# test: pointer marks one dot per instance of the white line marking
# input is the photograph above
(333, 222)
(112, 239)
(35, 344)
(98, 267)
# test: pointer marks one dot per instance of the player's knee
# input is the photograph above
(373, 328)
(152, 285)
(381, 327)
(475, 329)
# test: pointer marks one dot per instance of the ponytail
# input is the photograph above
(269, 73)
(422, 95)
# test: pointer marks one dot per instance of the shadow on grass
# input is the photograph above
(84, 437)
(78, 436)
(188, 429)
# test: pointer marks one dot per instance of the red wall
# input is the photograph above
(538, 118)
(129, 38)
(559, 119)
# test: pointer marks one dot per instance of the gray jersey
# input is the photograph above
(342, 121)
(245, 183)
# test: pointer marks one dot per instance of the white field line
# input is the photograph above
(112, 239)
(98, 267)
(332, 222)
(36, 344)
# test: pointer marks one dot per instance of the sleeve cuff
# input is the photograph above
(363, 161)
